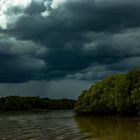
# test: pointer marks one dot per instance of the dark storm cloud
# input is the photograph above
(76, 40)
(78, 17)
(35, 8)
(20, 60)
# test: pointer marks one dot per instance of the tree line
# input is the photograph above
(15, 103)
(116, 94)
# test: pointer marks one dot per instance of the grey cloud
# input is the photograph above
(76, 40)
(20, 60)
(35, 8)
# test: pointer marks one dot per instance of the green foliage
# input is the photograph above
(116, 94)
(14, 103)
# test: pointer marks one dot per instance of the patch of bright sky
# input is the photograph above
(53, 4)
(5, 5)
(57, 3)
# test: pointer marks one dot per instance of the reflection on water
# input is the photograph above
(61, 125)
(110, 128)
(52, 125)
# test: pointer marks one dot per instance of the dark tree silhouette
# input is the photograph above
(27, 103)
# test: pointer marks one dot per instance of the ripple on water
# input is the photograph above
(55, 125)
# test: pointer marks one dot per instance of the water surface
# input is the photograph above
(62, 125)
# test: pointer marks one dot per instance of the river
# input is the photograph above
(63, 125)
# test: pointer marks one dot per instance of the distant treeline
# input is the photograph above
(14, 103)
(116, 94)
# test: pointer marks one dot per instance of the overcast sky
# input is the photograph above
(57, 48)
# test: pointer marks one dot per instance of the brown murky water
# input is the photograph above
(62, 125)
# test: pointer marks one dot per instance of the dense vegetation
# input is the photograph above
(116, 94)
(13, 103)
